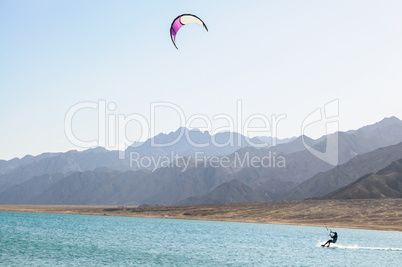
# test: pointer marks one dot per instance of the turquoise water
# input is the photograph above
(37, 239)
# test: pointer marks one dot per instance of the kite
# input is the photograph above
(182, 20)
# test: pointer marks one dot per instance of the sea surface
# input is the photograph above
(38, 239)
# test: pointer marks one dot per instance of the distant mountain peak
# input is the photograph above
(98, 149)
(380, 125)
(390, 121)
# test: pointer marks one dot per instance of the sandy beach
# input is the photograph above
(379, 214)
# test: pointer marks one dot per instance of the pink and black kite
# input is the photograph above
(182, 20)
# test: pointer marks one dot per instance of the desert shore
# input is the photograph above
(379, 214)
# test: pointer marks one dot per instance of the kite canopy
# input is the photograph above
(182, 20)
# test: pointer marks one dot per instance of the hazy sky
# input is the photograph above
(276, 57)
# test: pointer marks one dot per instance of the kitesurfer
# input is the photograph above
(334, 236)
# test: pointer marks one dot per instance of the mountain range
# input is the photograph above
(386, 183)
(97, 176)
(342, 175)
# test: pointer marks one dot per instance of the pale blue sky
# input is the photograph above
(277, 57)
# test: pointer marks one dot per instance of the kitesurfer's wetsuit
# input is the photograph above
(333, 240)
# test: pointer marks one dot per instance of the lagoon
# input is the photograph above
(40, 239)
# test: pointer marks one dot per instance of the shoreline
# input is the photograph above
(372, 214)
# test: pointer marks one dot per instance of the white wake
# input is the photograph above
(358, 247)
